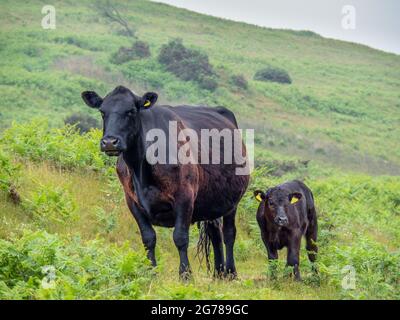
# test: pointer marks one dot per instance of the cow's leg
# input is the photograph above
(311, 240)
(293, 257)
(229, 231)
(214, 232)
(146, 230)
(184, 213)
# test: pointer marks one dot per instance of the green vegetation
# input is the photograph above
(69, 204)
(139, 50)
(83, 122)
(188, 64)
(273, 74)
(65, 230)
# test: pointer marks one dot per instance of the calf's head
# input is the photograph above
(120, 112)
(277, 202)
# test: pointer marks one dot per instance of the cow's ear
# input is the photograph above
(294, 197)
(259, 195)
(92, 99)
(148, 100)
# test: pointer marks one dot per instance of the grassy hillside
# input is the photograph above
(65, 231)
(72, 217)
(342, 107)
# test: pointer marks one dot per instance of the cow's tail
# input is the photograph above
(204, 243)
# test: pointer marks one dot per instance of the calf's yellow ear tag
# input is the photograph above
(147, 103)
(294, 200)
(258, 198)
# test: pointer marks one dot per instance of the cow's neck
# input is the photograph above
(135, 158)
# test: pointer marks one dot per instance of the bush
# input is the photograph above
(9, 175)
(82, 122)
(239, 81)
(44, 266)
(188, 64)
(49, 204)
(273, 74)
(63, 146)
(139, 50)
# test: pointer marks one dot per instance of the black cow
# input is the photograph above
(285, 214)
(171, 195)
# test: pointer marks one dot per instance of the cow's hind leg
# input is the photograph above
(184, 213)
(229, 231)
(215, 234)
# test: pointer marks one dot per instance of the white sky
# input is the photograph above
(377, 21)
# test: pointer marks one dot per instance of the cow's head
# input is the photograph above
(119, 110)
(277, 201)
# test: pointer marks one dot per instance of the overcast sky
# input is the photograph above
(377, 22)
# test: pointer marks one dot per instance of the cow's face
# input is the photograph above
(119, 110)
(277, 202)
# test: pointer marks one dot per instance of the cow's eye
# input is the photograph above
(130, 113)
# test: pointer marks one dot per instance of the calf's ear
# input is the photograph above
(148, 100)
(259, 195)
(294, 197)
(92, 99)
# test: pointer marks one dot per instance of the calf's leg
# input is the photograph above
(293, 257)
(311, 238)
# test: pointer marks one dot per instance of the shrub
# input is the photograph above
(82, 122)
(239, 81)
(273, 74)
(139, 50)
(188, 64)
(43, 266)
(9, 175)
(49, 204)
(63, 146)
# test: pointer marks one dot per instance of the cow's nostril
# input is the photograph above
(114, 142)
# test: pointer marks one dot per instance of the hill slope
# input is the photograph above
(342, 107)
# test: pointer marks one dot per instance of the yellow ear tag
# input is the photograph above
(258, 198)
(147, 103)
(294, 200)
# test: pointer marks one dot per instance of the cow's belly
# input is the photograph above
(161, 214)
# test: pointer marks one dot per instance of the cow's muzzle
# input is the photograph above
(111, 146)
(281, 221)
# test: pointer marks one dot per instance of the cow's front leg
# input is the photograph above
(293, 257)
(181, 237)
(146, 230)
